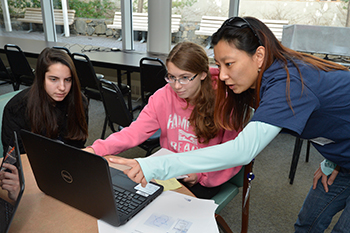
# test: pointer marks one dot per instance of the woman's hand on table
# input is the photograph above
(134, 172)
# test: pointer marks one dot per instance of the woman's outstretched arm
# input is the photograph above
(240, 151)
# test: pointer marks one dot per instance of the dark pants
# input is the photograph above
(319, 207)
(202, 192)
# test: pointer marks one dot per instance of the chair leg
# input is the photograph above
(143, 40)
(295, 159)
(17, 83)
(104, 128)
(222, 223)
(128, 78)
(307, 151)
(245, 209)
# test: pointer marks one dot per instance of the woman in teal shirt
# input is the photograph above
(290, 91)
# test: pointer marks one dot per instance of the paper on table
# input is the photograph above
(170, 184)
(169, 213)
(161, 152)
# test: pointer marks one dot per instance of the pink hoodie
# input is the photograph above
(167, 111)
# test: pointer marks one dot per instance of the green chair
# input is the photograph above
(3, 101)
(227, 192)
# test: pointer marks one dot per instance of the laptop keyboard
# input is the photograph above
(127, 201)
(7, 210)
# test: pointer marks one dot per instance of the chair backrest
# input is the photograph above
(64, 49)
(3, 69)
(19, 65)
(228, 191)
(113, 101)
(17, 60)
(3, 101)
(238, 179)
(87, 76)
(118, 113)
(4, 73)
(152, 73)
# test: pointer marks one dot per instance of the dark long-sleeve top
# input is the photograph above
(15, 118)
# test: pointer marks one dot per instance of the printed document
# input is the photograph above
(171, 212)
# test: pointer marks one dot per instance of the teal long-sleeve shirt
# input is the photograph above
(240, 151)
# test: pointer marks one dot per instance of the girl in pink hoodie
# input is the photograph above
(183, 110)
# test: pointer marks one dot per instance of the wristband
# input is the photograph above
(327, 167)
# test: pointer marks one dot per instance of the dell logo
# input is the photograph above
(66, 176)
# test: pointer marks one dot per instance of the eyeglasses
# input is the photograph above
(184, 80)
(238, 22)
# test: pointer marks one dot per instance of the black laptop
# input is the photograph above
(85, 181)
(8, 207)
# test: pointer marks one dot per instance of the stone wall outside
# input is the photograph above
(98, 27)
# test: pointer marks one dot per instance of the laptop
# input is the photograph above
(8, 207)
(85, 181)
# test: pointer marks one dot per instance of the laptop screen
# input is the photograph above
(9, 201)
(85, 181)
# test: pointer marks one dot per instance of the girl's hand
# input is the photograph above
(89, 149)
(10, 181)
(191, 180)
